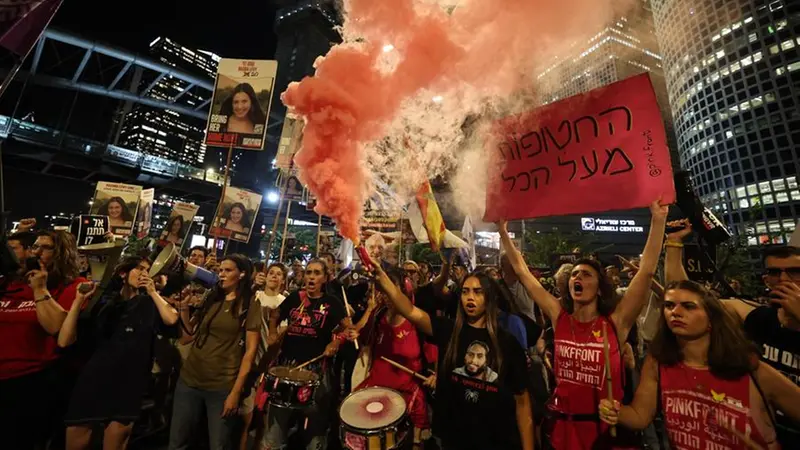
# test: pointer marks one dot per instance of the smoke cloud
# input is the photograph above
(409, 93)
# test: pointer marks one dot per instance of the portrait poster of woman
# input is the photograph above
(241, 103)
(145, 215)
(237, 215)
(178, 224)
(118, 201)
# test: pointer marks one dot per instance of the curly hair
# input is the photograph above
(64, 267)
(606, 298)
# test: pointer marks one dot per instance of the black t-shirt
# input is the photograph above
(475, 406)
(311, 323)
(780, 349)
(444, 305)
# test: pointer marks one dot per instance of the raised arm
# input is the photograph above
(546, 301)
(402, 304)
(48, 312)
(636, 296)
(68, 333)
(673, 257)
(640, 413)
(168, 314)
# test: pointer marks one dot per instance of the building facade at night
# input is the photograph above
(624, 48)
(733, 76)
(166, 133)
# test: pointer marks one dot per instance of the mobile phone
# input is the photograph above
(32, 263)
(84, 288)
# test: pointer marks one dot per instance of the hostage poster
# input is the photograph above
(241, 103)
(119, 202)
(237, 215)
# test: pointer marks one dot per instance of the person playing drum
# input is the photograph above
(393, 337)
(481, 396)
(312, 319)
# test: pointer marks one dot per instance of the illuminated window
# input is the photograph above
(788, 44)
(794, 66)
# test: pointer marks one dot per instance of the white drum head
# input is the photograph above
(372, 408)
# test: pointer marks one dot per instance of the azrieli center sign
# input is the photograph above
(610, 225)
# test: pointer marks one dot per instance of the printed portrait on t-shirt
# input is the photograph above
(477, 360)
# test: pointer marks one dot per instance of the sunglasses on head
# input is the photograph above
(791, 272)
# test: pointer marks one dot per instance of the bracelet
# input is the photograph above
(673, 244)
(45, 298)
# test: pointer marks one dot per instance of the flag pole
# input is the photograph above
(222, 196)
(319, 230)
(285, 229)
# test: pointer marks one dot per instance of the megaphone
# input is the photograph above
(101, 257)
(169, 261)
(703, 220)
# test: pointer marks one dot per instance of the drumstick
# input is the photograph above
(609, 386)
(347, 307)
(309, 362)
(404, 368)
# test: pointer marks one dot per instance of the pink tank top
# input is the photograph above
(705, 412)
(580, 365)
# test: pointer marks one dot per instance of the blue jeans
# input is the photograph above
(186, 410)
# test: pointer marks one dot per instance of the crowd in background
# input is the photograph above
(504, 360)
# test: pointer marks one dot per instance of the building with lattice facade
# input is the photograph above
(733, 76)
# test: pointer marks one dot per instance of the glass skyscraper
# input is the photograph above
(733, 76)
(163, 132)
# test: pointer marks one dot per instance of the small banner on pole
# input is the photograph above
(237, 215)
(241, 102)
(92, 229)
(144, 217)
(599, 151)
(119, 202)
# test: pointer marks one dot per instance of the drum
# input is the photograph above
(374, 419)
(290, 388)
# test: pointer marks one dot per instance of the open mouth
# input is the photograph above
(470, 307)
(578, 288)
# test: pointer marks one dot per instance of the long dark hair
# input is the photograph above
(255, 115)
(172, 221)
(730, 354)
(216, 296)
(126, 214)
(245, 215)
(607, 296)
(491, 293)
(63, 268)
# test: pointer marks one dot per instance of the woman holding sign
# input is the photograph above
(713, 391)
(585, 309)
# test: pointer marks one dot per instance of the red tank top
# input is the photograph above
(401, 345)
(700, 409)
(580, 364)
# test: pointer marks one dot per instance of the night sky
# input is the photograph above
(240, 29)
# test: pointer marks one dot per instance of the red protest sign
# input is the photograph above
(599, 151)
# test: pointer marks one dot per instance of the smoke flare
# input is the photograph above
(395, 100)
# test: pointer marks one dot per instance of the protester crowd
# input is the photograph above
(308, 354)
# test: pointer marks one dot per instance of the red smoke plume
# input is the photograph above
(485, 47)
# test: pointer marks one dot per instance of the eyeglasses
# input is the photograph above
(792, 272)
(36, 247)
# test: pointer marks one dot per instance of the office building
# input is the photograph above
(166, 133)
(732, 74)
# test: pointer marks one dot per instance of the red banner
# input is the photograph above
(599, 151)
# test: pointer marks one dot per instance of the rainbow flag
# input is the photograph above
(431, 216)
